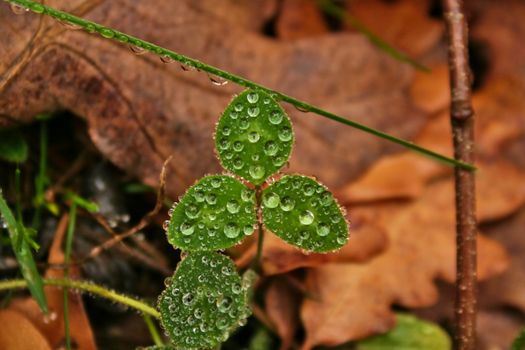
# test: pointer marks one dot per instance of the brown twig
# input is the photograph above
(462, 119)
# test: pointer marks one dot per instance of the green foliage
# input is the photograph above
(13, 146)
(215, 213)
(410, 333)
(204, 301)
(254, 136)
(304, 213)
(519, 342)
(21, 246)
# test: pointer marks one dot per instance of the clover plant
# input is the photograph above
(206, 299)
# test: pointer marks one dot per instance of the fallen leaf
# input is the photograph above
(300, 19)
(17, 332)
(497, 329)
(406, 24)
(430, 90)
(282, 308)
(421, 248)
(140, 110)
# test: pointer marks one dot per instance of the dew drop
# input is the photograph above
(238, 163)
(335, 219)
(247, 195)
(341, 240)
(17, 9)
(271, 148)
(107, 33)
(253, 111)
(212, 232)
(137, 50)
(165, 225)
(228, 155)
(69, 25)
(221, 323)
(306, 217)
(323, 230)
(199, 196)
(238, 107)
(255, 157)
(287, 203)
(279, 161)
(308, 190)
(188, 299)
(234, 115)
(253, 136)
(326, 199)
(232, 206)
(187, 228)
(244, 124)
(224, 304)
(37, 8)
(252, 97)
(166, 59)
(257, 171)
(226, 270)
(275, 117)
(226, 131)
(248, 230)
(216, 182)
(90, 28)
(224, 144)
(122, 38)
(216, 80)
(285, 134)
(238, 146)
(272, 200)
(302, 109)
(231, 230)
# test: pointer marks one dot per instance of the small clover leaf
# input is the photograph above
(254, 136)
(215, 213)
(204, 302)
(304, 213)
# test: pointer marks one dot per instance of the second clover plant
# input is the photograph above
(206, 299)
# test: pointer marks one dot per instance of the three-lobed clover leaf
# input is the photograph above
(215, 213)
(304, 213)
(204, 301)
(254, 136)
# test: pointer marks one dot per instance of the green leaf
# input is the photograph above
(410, 333)
(23, 254)
(204, 301)
(215, 213)
(304, 213)
(13, 146)
(158, 347)
(254, 136)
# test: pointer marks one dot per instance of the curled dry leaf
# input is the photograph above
(282, 308)
(366, 240)
(47, 68)
(18, 332)
(421, 248)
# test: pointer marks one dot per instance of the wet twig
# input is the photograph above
(462, 120)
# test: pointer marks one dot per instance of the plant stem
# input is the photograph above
(67, 255)
(260, 239)
(90, 288)
(462, 119)
(155, 336)
(111, 34)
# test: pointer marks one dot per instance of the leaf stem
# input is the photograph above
(155, 336)
(111, 34)
(260, 239)
(90, 288)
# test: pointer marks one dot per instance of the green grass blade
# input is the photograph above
(111, 34)
(67, 256)
(330, 8)
(23, 255)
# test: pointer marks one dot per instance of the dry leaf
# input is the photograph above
(430, 90)
(406, 24)
(282, 308)
(422, 247)
(300, 19)
(137, 127)
(18, 333)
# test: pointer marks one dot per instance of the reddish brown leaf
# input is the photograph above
(422, 247)
(17, 333)
(282, 308)
(139, 110)
(300, 19)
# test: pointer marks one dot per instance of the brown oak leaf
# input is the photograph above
(356, 298)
